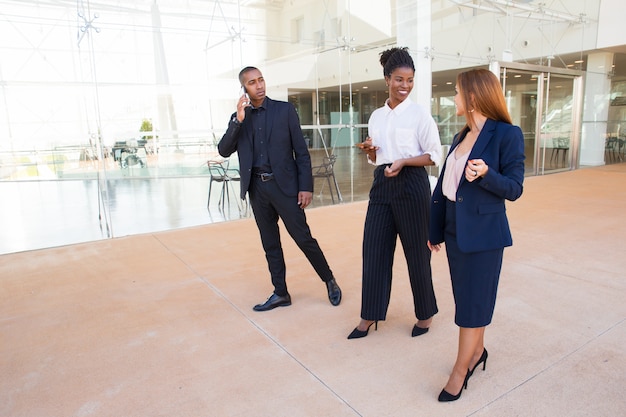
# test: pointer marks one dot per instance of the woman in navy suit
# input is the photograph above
(485, 167)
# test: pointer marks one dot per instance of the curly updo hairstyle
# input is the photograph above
(394, 58)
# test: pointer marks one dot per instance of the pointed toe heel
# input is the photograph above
(357, 334)
(418, 331)
(445, 396)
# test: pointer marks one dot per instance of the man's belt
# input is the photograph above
(265, 176)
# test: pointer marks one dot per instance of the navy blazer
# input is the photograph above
(480, 209)
(288, 153)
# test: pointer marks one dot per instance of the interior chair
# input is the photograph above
(217, 173)
(142, 156)
(610, 147)
(220, 172)
(560, 147)
(233, 174)
(327, 170)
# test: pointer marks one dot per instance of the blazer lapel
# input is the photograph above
(483, 138)
(270, 114)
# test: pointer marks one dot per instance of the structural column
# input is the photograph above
(596, 108)
(414, 31)
(165, 103)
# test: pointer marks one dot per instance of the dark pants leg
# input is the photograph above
(266, 219)
(268, 204)
(412, 212)
(379, 245)
(398, 206)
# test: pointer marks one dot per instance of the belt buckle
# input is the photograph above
(265, 176)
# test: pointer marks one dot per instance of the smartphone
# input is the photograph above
(244, 93)
(365, 146)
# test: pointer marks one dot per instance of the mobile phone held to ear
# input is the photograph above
(244, 93)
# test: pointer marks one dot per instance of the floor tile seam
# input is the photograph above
(273, 340)
(549, 367)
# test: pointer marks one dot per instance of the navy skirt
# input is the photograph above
(474, 277)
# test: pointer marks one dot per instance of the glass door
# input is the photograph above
(557, 129)
(546, 106)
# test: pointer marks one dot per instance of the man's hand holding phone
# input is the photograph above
(244, 101)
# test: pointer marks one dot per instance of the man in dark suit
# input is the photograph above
(276, 172)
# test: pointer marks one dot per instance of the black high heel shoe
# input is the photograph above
(483, 360)
(445, 396)
(357, 334)
(418, 331)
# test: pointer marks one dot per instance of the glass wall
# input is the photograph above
(110, 111)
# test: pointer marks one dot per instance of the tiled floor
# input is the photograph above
(161, 324)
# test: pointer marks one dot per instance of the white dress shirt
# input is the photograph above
(406, 131)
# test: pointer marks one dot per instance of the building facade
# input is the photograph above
(103, 93)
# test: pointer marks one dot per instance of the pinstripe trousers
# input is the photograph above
(398, 206)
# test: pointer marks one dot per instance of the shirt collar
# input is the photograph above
(400, 107)
(262, 106)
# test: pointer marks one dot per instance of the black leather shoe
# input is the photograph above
(334, 292)
(273, 302)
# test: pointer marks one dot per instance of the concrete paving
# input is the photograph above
(162, 324)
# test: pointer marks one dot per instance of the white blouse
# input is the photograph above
(455, 168)
(406, 131)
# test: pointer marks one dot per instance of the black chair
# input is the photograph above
(220, 172)
(560, 147)
(327, 170)
(233, 174)
(610, 148)
(217, 173)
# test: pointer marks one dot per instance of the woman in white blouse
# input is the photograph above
(403, 139)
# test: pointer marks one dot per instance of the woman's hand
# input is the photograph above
(433, 248)
(475, 169)
(367, 147)
(395, 168)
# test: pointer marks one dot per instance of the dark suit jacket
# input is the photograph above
(288, 153)
(480, 209)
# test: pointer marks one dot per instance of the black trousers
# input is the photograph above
(398, 206)
(268, 204)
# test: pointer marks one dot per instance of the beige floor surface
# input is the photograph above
(162, 324)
